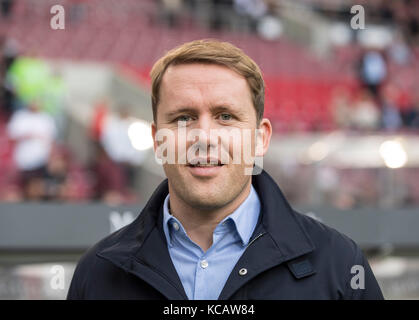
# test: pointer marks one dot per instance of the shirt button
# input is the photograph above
(204, 264)
(176, 226)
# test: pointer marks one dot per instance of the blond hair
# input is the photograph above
(211, 52)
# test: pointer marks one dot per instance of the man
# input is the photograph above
(212, 230)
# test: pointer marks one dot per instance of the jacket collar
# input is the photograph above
(280, 220)
(141, 248)
(278, 238)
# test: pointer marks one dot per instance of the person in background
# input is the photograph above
(340, 107)
(391, 119)
(33, 132)
(56, 175)
(373, 71)
(110, 181)
(9, 51)
(411, 115)
(365, 114)
(118, 146)
(6, 8)
(171, 10)
(251, 11)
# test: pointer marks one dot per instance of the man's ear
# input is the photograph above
(263, 137)
(153, 134)
(157, 151)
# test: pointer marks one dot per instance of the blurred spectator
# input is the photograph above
(221, 9)
(270, 27)
(54, 101)
(56, 175)
(34, 185)
(110, 180)
(373, 71)
(340, 107)
(390, 115)
(78, 11)
(399, 52)
(7, 97)
(171, 10)
(33, 132)
(65, 180)
(100, 111)
(327, 181)
(6, 7)
(365, 114)
(12, 193)
(9, 51)
(359, 187)
(118, 146)
(30, 79)
(413, 23)
(411, 115)
(252, 10)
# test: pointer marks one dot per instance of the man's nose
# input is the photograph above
(206, 124)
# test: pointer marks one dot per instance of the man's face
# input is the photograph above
(207, 99)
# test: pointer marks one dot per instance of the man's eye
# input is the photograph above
(183, 118)
(226, 116)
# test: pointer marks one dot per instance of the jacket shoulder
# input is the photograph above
(341, 258)
(90, 266)
(326, 237)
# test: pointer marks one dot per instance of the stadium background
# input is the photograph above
(76, 159)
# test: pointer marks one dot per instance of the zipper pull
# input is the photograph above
(254, 239)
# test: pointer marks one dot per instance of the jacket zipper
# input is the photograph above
(257, 237)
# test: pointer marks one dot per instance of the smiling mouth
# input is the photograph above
(205, 163)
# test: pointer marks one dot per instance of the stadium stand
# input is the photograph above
(303, 88)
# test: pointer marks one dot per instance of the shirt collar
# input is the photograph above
(168, 221)
(244, 218)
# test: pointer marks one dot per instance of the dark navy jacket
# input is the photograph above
(290, 256)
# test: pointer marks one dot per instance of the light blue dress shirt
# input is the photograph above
(204, 274)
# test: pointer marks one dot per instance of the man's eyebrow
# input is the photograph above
(228, 108)
(215, 109)
(219, 108)
(179, 111)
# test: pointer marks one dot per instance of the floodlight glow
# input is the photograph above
(393, 154)
(139, 133)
